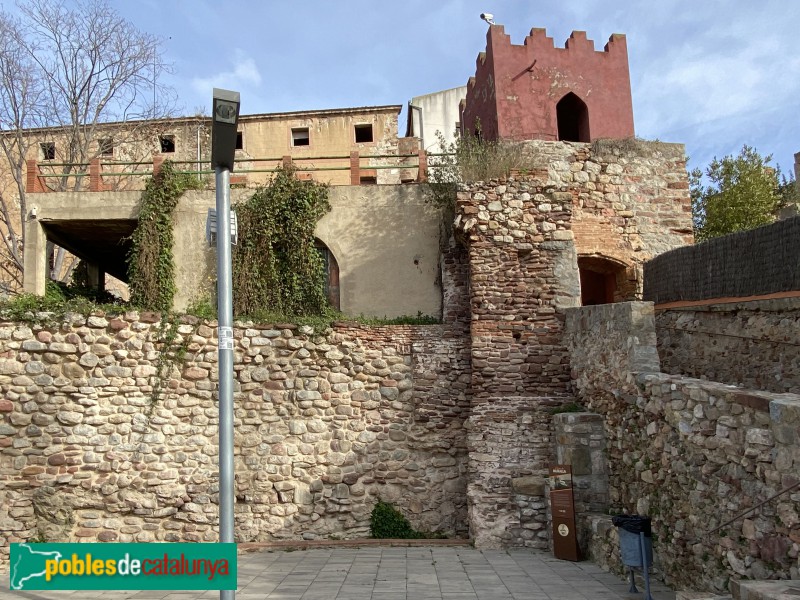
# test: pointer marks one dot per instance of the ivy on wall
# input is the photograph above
(151, 269)
(276, 266)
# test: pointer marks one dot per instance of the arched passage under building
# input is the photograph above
(602, 280)
(572, 115)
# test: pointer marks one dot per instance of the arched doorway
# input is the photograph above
(331, 273)
(573, 119)
(600, 280)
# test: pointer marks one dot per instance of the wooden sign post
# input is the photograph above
(562, 506)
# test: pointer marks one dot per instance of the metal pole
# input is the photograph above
(225, 341)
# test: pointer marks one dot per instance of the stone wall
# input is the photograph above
(448, 422)
(749, 344)
(580, 441)
(524, 237)
(691, 454)
(629, 200)
(523, 272)
(326, 424)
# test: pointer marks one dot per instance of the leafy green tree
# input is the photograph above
(744, 193)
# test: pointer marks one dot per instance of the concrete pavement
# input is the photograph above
(398, 573)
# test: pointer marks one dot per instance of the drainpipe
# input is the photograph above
(199, 127)
(421, 131)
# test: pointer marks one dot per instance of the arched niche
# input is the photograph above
(331, 273)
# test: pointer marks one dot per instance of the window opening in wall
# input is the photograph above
(331, 273)
(48, 150)
(106, 146)
(239, 140)
(363, 133)
(167, 143)
(573, 119)
(300, 136)
(368, 180)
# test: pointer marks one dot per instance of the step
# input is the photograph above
(700, 596)
(766, 590)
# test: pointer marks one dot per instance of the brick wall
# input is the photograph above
(523, 272)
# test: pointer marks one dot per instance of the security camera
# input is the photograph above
(488, 17)
(34, 212)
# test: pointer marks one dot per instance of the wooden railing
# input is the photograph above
(101, 175)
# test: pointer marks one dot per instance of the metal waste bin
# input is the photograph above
(635, 546)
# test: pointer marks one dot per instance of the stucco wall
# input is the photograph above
(385, 240)
(516, 88)
(331, 133)
(440, 112)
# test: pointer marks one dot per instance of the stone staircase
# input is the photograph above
(751, 590)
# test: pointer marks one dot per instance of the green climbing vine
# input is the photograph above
(275, 264)
(151, 269)
(172, 354)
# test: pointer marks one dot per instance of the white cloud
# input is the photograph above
(244, 74)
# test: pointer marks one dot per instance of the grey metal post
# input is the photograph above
(225, 345)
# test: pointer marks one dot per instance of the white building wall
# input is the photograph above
(435, 112)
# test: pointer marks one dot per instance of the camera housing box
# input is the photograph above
(225, 118)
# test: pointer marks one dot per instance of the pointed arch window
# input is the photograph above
(573, 119)
(331, 273)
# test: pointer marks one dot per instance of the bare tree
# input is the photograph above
(81, 68)
(21, 97)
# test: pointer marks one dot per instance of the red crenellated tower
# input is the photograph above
(538, 91)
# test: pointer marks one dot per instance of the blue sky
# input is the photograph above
(713, 74)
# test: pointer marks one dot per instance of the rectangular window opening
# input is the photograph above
(167, 144)
(239, 141)
(363, 134)
(106, 146)
(48, 150)
(368, 180)
(300, 136)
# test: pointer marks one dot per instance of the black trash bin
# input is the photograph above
(635, 546)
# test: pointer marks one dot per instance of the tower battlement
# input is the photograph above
(535, 90)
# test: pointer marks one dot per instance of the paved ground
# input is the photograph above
(384, 573)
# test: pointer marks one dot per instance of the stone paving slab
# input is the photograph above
(386, 573)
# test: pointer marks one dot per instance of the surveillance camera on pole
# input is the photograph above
(223, 150)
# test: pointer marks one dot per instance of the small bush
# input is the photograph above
(386, 522)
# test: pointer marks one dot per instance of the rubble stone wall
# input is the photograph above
(523, 272)
(325, 425)
(749, 344)
(621, 200)
(691, 454)
(629, 200)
